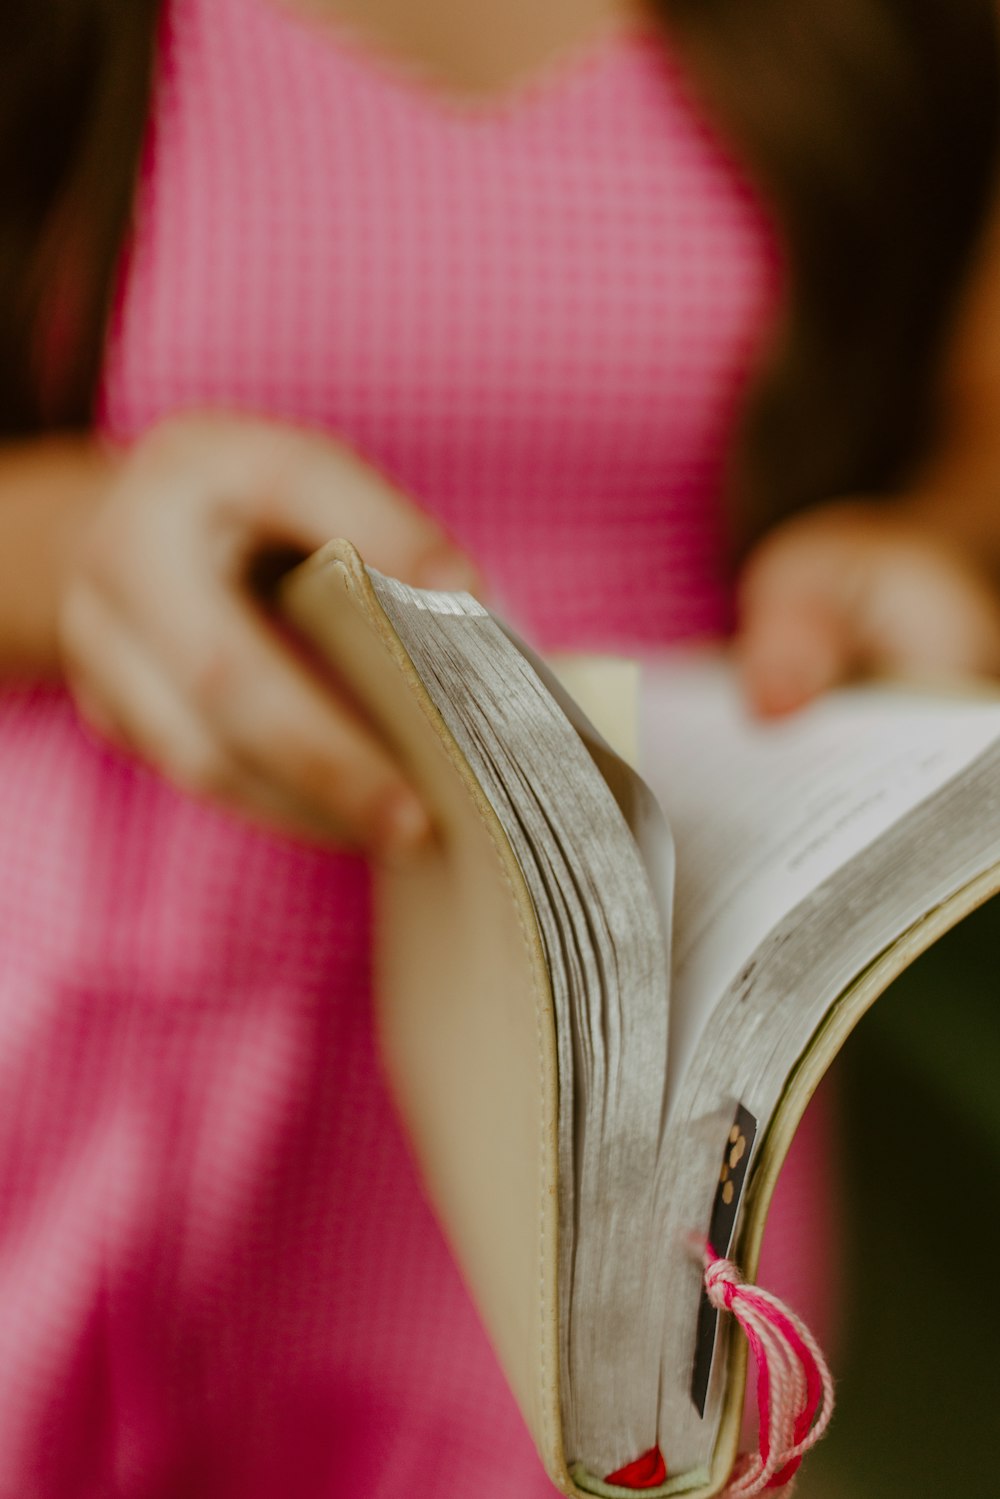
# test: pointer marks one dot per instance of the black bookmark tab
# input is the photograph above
(728, 1195)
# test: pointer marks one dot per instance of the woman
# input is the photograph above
(503, 308)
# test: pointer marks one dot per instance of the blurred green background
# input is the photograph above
(918, 1372)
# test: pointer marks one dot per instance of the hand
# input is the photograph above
(855, 588)
(170, 656)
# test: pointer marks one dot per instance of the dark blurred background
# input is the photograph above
(919, 1366)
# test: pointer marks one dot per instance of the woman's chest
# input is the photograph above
(537, 314)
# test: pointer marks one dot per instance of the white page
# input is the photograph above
(763, 812)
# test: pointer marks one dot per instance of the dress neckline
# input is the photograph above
(409, 80)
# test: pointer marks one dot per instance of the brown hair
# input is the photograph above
(871, 126)
(75, 80)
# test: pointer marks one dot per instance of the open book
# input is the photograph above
(602, 1023)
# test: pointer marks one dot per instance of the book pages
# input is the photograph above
(764, 811)
(813, 845)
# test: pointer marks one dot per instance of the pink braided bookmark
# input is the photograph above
(794, 1385)
(794, 1388)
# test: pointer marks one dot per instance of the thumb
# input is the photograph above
(790, 651)
(795, 638)
(328, 491)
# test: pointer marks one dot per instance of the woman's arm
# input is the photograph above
(50, 490)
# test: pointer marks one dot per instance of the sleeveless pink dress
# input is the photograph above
(218, 1276)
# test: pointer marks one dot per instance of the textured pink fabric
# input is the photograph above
(217, 1274)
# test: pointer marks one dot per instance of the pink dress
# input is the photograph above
(218, 1276)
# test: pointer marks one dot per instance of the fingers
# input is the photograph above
(279, 722)
(799, 601)
(854, 588)
(791, 652)
(173, 656)
(933, 614)
(243, 732)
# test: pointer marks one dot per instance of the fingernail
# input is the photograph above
(792, 684)
(402, 826)
(448, 572)
(774, 700)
